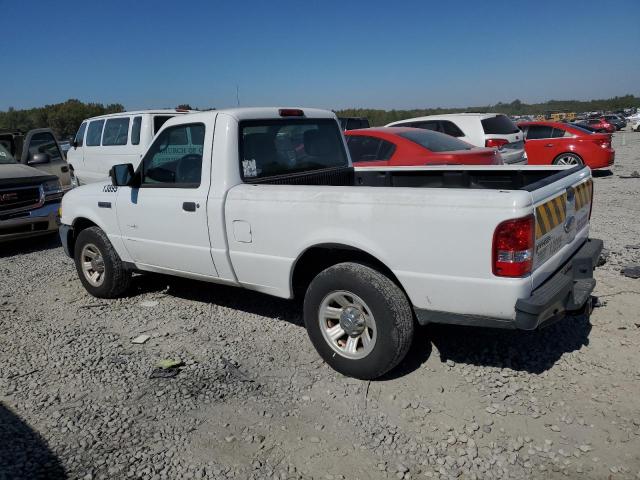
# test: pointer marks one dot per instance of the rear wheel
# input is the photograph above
(568, 159)
(359, 321)
(99, 267)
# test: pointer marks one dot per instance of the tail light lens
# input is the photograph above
(513, 243)
(495, 142)
(604, 143)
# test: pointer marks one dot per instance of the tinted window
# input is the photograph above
(539, 131)
(559, 133)
(279, 147)
(435, 141)
(499, 125)
(451, 128)
(431, 125)
(386, 150)
(158, 121)
(80, 135)
(135, 131)
(116, 131)
(363, 149)
(5, 155)
(94, 133)
(175, 164)
(44, 143)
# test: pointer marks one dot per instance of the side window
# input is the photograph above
(559, 133)
(430, 125)
(386, 150)
(175, 158)
(116, 132)
(363, 149)
(44, 143)
(451, 128)
(159, 121)
(538, 131)
(94, 133)
(80, 135)
(135, 131)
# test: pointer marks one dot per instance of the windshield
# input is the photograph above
(5, 155)
(279, 147)
(435, 141)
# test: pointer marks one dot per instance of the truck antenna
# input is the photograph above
(238, 94)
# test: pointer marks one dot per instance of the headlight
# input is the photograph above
(52, 187)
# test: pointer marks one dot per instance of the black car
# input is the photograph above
(616, 121)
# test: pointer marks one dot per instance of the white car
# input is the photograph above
(107, 140)
(479, 129)
(266, 199)
(635, 124)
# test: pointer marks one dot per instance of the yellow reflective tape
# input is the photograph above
(545, 223)
(558, 205)
(538, 230)
(551, 214)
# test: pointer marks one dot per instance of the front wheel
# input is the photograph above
(99, 267)
(359, 321)
(568, 159)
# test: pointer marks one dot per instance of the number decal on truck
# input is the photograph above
(110, 188)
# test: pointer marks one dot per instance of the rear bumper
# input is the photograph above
(30, 223)
(568, 289)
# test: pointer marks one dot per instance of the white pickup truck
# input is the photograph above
(266, 199)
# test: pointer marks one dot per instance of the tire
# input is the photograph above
(112, 278)
(568, 159)
(373, 303)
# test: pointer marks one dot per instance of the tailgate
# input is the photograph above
(562, 220)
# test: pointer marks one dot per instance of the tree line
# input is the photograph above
(65, 118)
(382, 117)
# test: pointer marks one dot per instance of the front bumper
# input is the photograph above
(66, 234)
(29, 223)
(568, 289)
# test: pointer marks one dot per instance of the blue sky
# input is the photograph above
(329, 54)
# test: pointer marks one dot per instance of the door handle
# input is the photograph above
(549, 145)
(64, 169)
(189, 206)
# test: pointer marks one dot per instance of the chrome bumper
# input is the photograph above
(28, 223)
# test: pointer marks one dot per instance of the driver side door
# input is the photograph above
(163, 222)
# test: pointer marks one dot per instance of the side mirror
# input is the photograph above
(122, 175)
(39, 159)
(74, 144)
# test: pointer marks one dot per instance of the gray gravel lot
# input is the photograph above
(253, 399)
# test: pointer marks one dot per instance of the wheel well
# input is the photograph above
(318, 258)
(79, 225)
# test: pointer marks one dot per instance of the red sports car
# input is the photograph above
(560, 143)
(405, 146)
(600, 125)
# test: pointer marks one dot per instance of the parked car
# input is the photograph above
(406, 146)
(104, 141)
(38, 148)
(616, 120)
(597, 125)
(268, 201)
(29, 199)
(635, 125)
(479, 129)
(557, 143)
(65, 145)
(353, 123)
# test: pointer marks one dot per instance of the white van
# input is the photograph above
(108, 140)
(479, 129)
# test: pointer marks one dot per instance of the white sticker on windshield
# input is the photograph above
(249, 168)
(2, 154)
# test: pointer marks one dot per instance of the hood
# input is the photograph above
(18, 174)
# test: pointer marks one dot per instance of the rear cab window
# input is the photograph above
(499, 125)
(270, 148)
(159, 121)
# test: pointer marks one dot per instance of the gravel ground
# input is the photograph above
(253, 399)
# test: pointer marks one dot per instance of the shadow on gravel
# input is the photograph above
(24, 454)
(231, 297)
(29, 245)
(529, 351)
(601, 173)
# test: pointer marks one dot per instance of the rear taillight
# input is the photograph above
(604, 143)
(495, 142)
(513, 242)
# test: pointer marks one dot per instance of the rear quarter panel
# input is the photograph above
(436, 241)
